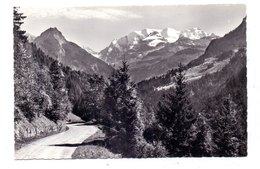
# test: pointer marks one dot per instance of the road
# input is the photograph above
(52, 147)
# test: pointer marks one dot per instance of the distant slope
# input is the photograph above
(54, 44)
(232, 41)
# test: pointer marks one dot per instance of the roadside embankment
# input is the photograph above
(26, 132)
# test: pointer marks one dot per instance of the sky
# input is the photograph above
(97, 26)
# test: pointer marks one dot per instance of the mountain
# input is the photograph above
(195, 33)
(91, 51)
(207, 75)
(54, 44)
(30, 37)
(152, 52)
(219, 53)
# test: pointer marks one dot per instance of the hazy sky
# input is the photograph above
(96, 27)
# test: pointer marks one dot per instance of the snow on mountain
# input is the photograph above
(91, 51)
(165, 35)
(194, 33)
(155, 42)
(155, 36)
(170, 34)
(153, 51)
(148, 31)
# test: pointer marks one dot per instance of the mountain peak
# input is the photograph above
(195, 33)
(53, 32)
(54, 44)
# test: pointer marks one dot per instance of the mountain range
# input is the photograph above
(152, 52)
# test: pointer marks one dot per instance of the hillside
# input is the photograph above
(41, 101)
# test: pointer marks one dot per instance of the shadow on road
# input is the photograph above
(95, 142)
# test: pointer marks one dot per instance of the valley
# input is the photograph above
(152, 93)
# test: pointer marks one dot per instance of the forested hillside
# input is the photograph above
(46, 91)
(41, 99)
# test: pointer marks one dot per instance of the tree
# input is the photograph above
(119, 111)
(175, 116)
(229, 130)
(61, 105)
(93, 97)
(17, 20)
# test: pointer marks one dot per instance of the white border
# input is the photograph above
(6, 124)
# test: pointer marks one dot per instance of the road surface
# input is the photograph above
(52, 147)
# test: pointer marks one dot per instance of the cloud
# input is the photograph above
(81, 13)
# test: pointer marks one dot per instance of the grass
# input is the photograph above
(94, 147)
(93, 152)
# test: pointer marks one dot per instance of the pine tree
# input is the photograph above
(119, 113)
(175, 117)
(93, 97)
(17, 20)
(61, 105)
(229, 131)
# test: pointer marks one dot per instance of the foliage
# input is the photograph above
(39, 89)
(17, 21)
(93, 152)
(85, 93)
(175, 117)
(61, 105)
(119, 114)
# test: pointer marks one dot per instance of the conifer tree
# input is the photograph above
(119, 113)
(17, 20)
(175, 116)
(61, 105)
(229, 130)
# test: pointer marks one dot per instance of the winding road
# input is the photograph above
(58, 146)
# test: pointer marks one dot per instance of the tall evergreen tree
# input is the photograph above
(119, 113)
(175, 116)
(229, 131)
(61, 105)
(17, 21)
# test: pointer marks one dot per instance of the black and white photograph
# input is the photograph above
(116, 82)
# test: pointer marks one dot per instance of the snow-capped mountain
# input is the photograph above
(91, 51)
(152, 52)
(195, 33)
(54, 44)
